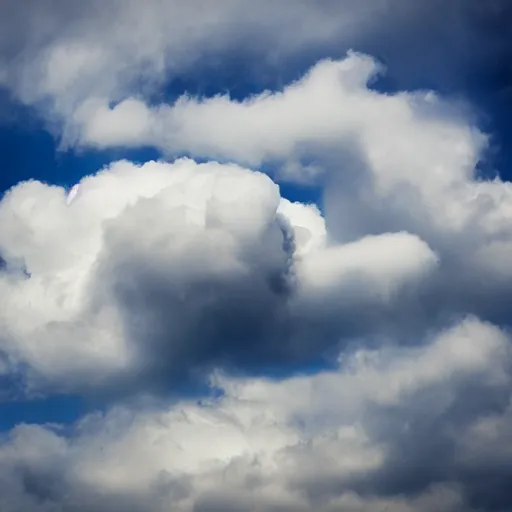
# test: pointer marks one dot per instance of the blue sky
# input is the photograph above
(324, 273)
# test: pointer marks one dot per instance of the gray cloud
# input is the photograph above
(60, 55)
(396, 428)
(155, 273)
(174, 269)
(158, 276)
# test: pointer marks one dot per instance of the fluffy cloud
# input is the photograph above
(61, 56)
(153, 277)
(389, 163)
(352, 439)
(330, 107)
(155, 274)
(164, 268)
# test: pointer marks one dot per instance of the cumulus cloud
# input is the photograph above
(68, 57)
(329, 107)
(151, 275)
(67, 52)
(144, 279)
(166, 267)
(388, 163)
(346, 439)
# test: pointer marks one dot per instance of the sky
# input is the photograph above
(255, 256)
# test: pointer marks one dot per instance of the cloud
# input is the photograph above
(331, 107)
(69, 52)
(165, 268)
(371, 259)
(68, 56)
(144, 280)
(343, 439)
(388, 163)
(155, 274)
(268, 126)
(148, 277)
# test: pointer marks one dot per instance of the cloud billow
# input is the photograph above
(163, 268)
(145, 280)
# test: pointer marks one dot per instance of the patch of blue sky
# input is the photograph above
(57, 409)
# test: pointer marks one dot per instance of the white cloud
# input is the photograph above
(329, 108)
(408, 237)
(387, 375)
(307, 224)
(382, 263)
(399, 162)
(169, 265)
(59, 56)
(165, 273)
(388, 162)
(69, 52)
(316, 109)
(297, 443)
